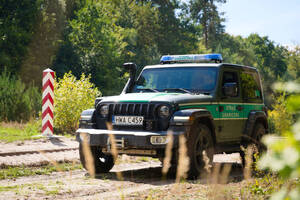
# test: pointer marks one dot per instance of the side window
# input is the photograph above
(250, 86)
(230, 77)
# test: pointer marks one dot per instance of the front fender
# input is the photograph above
(188, 116)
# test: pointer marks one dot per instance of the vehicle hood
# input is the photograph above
(153, 97)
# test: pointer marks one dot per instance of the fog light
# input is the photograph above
(158, 140)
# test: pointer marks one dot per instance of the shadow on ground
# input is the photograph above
(153, 175)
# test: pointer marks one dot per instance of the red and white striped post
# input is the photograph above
(47, 105)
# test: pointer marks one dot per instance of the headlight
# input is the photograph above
(164, 111)
(104, 110)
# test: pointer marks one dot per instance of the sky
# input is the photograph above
(277, 19)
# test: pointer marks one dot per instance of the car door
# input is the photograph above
(251, 92)
(231, 108)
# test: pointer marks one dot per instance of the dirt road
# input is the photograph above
(141, 179)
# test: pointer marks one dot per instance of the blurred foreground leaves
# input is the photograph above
(283, 154)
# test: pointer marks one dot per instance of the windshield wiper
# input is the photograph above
(177, 89)
(147, 89)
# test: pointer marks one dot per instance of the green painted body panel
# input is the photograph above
(230, 118)
(252, 107)
(229, 112)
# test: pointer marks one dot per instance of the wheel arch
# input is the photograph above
(254, 118)
(209, 122)
(191, 116)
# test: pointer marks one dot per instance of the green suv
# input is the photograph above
(218, 107)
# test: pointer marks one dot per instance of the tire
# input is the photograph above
(258, 132)
(102, 162)
(199, 140)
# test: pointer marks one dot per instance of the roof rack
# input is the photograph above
(191, 58)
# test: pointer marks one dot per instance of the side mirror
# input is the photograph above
(131, 67)
(230, 89)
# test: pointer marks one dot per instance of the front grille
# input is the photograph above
(134, 109)
(148, 110)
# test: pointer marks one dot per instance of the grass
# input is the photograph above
(14, 188)
(15, 172)
(26, 188)
(14, 131)
(10, 132)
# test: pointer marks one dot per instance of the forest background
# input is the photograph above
(97, 36)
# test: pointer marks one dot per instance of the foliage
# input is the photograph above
(96, 37)
(98, 43)
(17, 22)
(71, 97)
(17, 103)
(279, 119)
(264, 187)
(293, 72)
(284, 154)
(206, 14)
(270, 57)
(139, 22)
(118, 32)
(49, 25)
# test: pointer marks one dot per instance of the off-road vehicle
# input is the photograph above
(218, 107)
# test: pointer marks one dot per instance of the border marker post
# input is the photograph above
(47, 103)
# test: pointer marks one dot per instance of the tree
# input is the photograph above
(98, 43)
(17, 22)
(293, 69)
(234, 49)
(269, 56)
(43, 47)
(139, 22)
(205, 13)
(174, 34)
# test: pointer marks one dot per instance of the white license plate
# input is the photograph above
(128, 120)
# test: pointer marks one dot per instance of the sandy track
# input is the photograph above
(138, 178)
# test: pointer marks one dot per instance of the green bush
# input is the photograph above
(71, 97)
(17, 103)
(280, 119)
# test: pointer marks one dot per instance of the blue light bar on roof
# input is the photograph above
(191, 58)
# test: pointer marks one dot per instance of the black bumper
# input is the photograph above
(132, 139)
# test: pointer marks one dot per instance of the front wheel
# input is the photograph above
(200, 143)
(102, 163)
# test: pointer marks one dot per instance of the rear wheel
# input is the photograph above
(101, 162)
(200, 142)
(256, 143)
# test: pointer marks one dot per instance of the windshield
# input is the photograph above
(177, 79)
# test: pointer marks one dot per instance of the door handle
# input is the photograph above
(239, 108)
